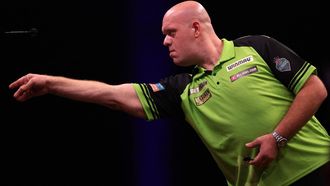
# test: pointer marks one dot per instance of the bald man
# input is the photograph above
(251, 100)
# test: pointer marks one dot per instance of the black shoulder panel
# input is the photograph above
(283, 61)
(168, 101)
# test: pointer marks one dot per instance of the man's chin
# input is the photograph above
(178, 63)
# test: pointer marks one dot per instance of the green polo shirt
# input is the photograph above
(245, 96)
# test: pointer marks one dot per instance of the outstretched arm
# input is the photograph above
(118, 97)
(303, 107)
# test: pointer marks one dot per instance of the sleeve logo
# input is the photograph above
(157, 87)
(282, 64)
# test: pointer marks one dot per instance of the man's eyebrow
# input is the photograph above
(168, 30)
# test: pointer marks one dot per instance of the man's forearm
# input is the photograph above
(80, 90)
(304, 106)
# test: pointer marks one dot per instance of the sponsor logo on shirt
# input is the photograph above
(282, 64)
(157, 87)
(200, 100)
(243, 73)
(199, 88)
(239, 63)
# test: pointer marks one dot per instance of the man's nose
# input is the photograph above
(167, 41)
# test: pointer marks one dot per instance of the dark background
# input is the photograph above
(54, 141)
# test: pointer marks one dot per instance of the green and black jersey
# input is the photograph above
(243, 97)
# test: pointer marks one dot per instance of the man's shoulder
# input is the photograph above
(252, 38)
(177, 81)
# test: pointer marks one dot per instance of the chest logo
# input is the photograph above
(200, 100)
(243, 73)
(198, 89)
(239, 63)
(282, 64)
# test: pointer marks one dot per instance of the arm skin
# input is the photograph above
(118, 97)
(303, 107)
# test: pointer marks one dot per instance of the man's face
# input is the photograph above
(179, 40)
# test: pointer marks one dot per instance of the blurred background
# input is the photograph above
(55, 141)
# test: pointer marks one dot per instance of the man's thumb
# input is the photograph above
(252, 144)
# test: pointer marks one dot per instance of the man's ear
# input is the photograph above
(195, 28)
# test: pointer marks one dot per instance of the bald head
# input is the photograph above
(189, 35)
(187, 11)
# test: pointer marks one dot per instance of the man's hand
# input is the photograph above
(29, 86)
(268, 150)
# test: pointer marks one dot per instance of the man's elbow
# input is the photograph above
(323, 94)
(318, 87)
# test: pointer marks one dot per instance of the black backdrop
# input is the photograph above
(51, 140)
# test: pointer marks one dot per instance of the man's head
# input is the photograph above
(187, 29)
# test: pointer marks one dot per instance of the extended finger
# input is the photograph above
(19, 82)
(260, 161)
(257, 161)
(22, 91)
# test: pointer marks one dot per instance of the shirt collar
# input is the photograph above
(227, 53)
